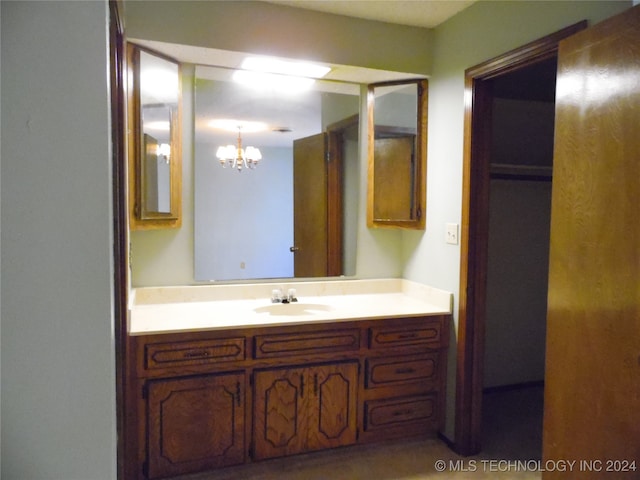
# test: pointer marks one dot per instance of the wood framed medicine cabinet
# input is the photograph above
(397, 146)
(154, 139)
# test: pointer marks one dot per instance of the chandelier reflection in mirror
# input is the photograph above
(238, 157)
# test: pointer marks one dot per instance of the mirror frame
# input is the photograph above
(139, 218)
(418, 213)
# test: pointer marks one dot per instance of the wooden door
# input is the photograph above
(280, 409)
(195, 424)
(333, 406)
(317, 205)
(592, 386)
(310, 206)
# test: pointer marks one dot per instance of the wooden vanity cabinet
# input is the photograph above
(211, 399)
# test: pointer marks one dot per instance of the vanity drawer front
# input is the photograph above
(383, 372)
(176, 354)
(424, 334)
(285, 345)
(399, 412)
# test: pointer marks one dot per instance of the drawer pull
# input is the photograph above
(301, 386)
(404, 336)
(399, 413)
(238, 393)
(405, 370)
(196, 354)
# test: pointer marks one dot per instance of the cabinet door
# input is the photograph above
(195, 424)
(280, 409)
(303, 409)
(333, 407)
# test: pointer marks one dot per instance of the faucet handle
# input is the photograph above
(291, 295)
(276, 295)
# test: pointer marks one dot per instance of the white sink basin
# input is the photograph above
(295, 308)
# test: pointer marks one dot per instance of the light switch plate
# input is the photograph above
(451, 233)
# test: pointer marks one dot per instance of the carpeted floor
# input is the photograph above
(512, 431)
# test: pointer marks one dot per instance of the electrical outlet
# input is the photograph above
(451, 233)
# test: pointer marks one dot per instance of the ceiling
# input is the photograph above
(416, 13)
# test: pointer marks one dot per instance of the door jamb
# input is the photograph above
(475, 228)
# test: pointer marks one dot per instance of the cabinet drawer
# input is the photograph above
(166, 355)
(397, 412)
(283, 345)
(382, 372)
(424, 334)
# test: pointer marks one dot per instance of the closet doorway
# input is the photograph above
(491, 169)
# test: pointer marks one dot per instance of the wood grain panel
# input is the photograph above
(281, 406)
(335, 390)
(172, 354)
(397, 370)
(384, 337)
(398, 412)
(394, 172)
(282, 345)
(195, 423)
(592, 389)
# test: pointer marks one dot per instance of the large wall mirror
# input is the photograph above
(397, 154)
(154, 139)
(294, 214)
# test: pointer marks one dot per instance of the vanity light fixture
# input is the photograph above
(238, 157)
(285, 75)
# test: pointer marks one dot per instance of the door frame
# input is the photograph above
(474, 236)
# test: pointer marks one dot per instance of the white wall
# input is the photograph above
(515, 326)
(58, 385)
(243, 221)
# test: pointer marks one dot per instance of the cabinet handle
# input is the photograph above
(405, 370)
(404, 336)
(301, 386)
(315, 384)
(196, 354)
(398, 413)
(238, 393)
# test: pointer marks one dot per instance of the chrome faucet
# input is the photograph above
(278, 297)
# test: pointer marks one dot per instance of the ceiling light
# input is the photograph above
(282, 83)
(285, 67)
(238, 157)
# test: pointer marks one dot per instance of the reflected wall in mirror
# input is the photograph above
(397, 154)
(294, 214)
(154, 139)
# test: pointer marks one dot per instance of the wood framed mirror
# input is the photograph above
(397, 146)
(154, 133)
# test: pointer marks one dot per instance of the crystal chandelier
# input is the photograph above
(238, 157)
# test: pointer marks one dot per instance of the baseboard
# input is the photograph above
(447, 441)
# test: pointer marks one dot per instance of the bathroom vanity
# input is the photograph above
(224, 382)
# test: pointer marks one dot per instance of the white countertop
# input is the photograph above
(213, 307)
